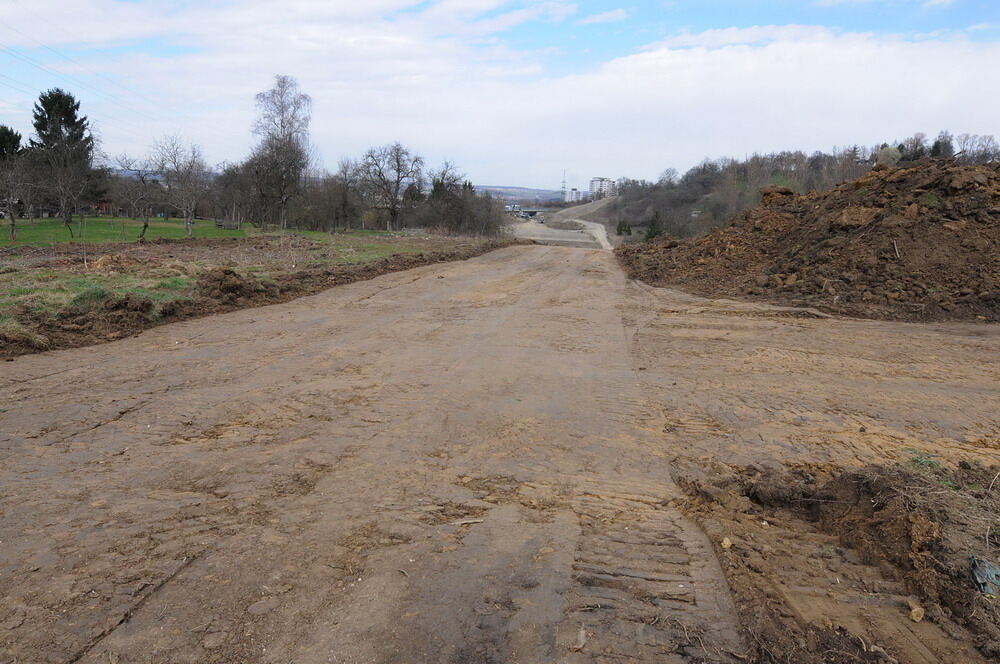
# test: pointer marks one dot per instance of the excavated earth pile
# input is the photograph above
(916, 243)
(802, 548)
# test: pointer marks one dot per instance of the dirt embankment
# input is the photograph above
(804, 548)
(917, 243)
(216, 289)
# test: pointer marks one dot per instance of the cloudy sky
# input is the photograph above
(515, 91)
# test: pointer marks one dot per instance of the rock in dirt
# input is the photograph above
(263, 606)
(915, 243)
(917, 612)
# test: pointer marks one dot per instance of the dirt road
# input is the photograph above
(585, 234)
(468, 462)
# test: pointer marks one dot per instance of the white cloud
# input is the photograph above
(441, 79)
(923, 3)
(612, 16)
(758, 34)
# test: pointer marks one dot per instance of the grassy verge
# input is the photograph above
(71, 294)
(105, 230)
(102, 230)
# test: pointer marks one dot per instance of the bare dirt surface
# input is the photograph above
(594, 215)
(522, 457)
(574, 234)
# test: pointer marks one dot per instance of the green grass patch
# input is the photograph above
(924, 461)
(89, 297)
(103, 230)
(175, 283)
(928, 199)
(784, 181)
(49, 292)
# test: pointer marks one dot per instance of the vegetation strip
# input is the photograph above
(108, 300)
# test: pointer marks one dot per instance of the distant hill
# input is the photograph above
(521, 193)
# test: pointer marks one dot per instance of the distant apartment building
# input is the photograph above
(601, 187)
(572, 195)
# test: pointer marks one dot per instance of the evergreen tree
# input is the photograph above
(65, 148)
(57, 122)
(655, 228)
(10, 142)
(943, 147)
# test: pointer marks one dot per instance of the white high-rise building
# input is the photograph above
(601, 187)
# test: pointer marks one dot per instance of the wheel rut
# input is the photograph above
(646, 584)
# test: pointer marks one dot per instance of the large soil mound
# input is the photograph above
(905, 243)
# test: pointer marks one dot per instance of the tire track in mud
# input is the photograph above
(647, 586)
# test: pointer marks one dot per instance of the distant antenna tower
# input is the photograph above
(564, 185)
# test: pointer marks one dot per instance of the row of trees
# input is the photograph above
(276, 186)
(55, 166)
(710, 194)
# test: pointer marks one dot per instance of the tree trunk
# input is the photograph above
(12, 233)
(68, 220)
(145, 225)
(189, 224)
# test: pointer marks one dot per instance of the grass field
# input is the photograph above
(107, 229)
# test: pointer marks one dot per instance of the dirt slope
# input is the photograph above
(918, 243)
(472, 462)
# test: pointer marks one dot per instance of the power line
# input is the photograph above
(107, 57)
(127, 127)
(85, 68)
(72, 79)
(71, 60)
(15, 85)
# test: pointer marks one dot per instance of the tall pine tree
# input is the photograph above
(10, 142)
(65, 147)
(655, 228)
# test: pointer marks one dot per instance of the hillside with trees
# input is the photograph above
(710, 194)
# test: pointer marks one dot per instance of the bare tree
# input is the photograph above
(234, 193)
(285, 112)
(13, 176)
(387, 173)
(185, 176)
(668, 177)
(347, 203)
(280, 161)
(13, 184)
(137, 186)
